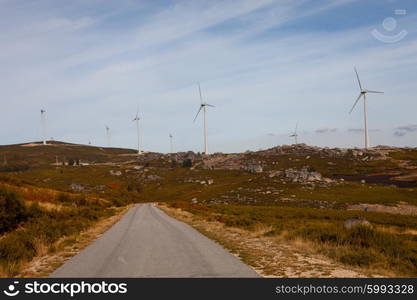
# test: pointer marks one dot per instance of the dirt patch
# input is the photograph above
(269, 256)
(31, 145)
(401, 209)
(69, 246)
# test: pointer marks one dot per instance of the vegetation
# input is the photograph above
(12, 211)
(31, 228)
(187, 163)
(362, 246)
(51, 192)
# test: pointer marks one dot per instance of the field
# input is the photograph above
(296, 193)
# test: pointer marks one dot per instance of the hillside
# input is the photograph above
(298, 191)
(32, 155)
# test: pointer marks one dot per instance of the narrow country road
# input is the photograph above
(148, 243)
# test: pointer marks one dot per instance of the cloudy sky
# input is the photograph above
(264, 64)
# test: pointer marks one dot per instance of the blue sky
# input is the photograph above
(264, 64)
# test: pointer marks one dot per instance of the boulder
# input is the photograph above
(115, 173)
(153, 177)
(254, 169)
(273, 174)
(76, 187)
(303, 175)
(354, 222)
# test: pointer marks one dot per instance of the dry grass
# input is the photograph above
(396, 230)
(50, 258)
(271, 256)
(32, 193)
(49, 206)
(10, 268)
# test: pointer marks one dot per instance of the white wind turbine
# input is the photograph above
(108, 136)
(171, 143)
(363, 93)
(295, 134)
(43, 125)
(136, 119)
(203, 106)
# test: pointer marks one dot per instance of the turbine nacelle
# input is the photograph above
(363, 91)
(202, 104)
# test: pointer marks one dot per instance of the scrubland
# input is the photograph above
(284, 198)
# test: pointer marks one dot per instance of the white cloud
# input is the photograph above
(87, 74)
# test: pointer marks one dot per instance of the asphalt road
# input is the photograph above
(148, 243)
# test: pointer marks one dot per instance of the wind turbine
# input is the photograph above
(43, 125)
(136, 119)
(363, 93)
(171, 144)
(108, 136)
(203, 106)
(295, 134)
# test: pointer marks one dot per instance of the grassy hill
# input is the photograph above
(305, 192)
(33, 155)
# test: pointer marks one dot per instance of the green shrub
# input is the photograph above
(187, 163)
(63, 198)
(16, 246)
(12, 211)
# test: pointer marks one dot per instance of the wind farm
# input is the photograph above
(203, 109)
(196, 139)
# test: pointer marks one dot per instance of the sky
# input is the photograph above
(265, 65)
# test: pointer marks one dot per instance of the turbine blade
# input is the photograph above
(359, 81)
(356, 102)
(199, 90)
(296, 127)
(198, 113)
(374, 92)
(206, 104)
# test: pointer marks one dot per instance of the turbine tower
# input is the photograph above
(108, 136)
(171, 144)
(363, 93)
(295, 134)
(136, 119)
(203, 106)
(43, 125)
